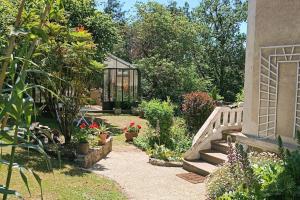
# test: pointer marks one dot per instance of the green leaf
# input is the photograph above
(39, 180)
(25, 180)
(40, 32)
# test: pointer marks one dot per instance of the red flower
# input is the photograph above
(131, 124)
(94, 125)
(82, 125)
(139, 126)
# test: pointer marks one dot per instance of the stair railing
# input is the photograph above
(222, 118)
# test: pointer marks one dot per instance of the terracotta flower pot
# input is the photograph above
(130, 135)
(103, 137)
(83, 148)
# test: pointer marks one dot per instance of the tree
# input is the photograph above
(68, 55)
(224, 44)
(162, 45)
(104, 30)
(114, 9)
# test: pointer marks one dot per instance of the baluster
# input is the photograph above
(239, 117)
(225, 118)
(217, 123)
(232, 116)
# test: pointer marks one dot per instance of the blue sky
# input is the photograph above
(129, 6)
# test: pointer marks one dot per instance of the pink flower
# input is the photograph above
(131, 124)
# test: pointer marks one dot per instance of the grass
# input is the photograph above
(67, 182)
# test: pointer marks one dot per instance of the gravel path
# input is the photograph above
(142, 181)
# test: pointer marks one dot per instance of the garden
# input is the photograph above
(53, 54)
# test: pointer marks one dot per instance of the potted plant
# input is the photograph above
(117, 108)
(81, 138)
(131, 131)
(102, 131)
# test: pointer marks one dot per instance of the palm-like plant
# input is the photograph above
(16, 103)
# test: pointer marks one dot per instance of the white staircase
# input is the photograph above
(209, 147)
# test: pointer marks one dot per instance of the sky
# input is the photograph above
(128, 5)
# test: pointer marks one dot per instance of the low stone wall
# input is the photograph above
(162, 163)
(94, 155)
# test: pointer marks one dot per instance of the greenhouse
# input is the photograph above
(121, 83)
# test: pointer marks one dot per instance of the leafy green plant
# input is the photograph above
(215, 94)
(162, 111)
(81, 136)
(240, 97)
(16, 103)
(163, 153)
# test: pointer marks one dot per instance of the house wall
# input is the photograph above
(270, 23)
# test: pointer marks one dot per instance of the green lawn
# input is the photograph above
(69, 182)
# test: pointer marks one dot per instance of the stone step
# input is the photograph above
(220, 145)
(199, 167)
(212, 156)
(233, 134)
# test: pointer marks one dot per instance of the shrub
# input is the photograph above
(174, 143)
(197, 106)
(162, 111)
(181, 141)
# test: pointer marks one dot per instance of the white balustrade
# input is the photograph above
(213, 127)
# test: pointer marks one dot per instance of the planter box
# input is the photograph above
(94, 155)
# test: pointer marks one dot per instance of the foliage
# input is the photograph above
(16, 106)
(68, 56)
(224, 44)
(171, 148)
(196, 108)
(163, 153)
(180, 51)
(256, 176)
(100, 25)
(81, 135)
(214, 93)
(161, 112)
(114, 9)
(142, 142)
(240, 97)
(162, 78)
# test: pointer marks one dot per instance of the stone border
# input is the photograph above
(163, 163)
(95, 154)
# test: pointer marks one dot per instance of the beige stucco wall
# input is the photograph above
(270, 23)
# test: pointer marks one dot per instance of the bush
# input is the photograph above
(162, 111)
(197, 106)
(175, 142)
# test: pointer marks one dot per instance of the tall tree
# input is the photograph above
(162, 44)
(115, 9)
(103, 28)
(224, 55)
